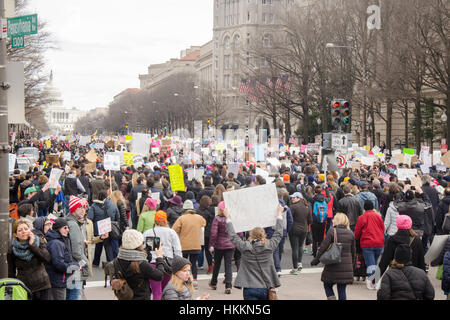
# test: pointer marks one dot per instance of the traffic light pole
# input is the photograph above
(4, 157)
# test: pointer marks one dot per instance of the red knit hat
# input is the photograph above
(75, 203)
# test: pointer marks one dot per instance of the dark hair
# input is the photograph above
(215, 200)
(150, 182)
(205, 202)
(368, 205)
(102, 195)
(207, 180)
(25, 209)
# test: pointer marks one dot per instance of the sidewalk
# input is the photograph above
(306, 286)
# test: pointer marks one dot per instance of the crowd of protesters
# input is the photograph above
(381, 222)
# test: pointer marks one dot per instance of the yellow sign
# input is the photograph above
(129, 138)
(48, 144)
(176, 178)
(128, 158)
(367, 148)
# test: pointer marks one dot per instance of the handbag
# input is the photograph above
(119, 285)
(272, 293)
(333, 253)
(116, 233)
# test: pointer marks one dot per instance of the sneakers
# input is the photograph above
(279, 274)
(228, 291)
(370, 285)
(305, 250)
(210, 269)
(195, 284)
(294, 272)
(427, 268)
(299, 267)
(213, 287)
(200, 267)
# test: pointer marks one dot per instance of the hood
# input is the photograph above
(401, 237)
(319, 198)
(39, 223)
(366, 195)
(54, 235)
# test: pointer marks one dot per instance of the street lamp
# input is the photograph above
(444, 117)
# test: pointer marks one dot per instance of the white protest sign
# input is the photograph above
(441, 167)
(138, 161)
(404, 174)
(155, 150)
(424, 152)
(425, 169)
(252, 207)
(407, 159)
(436, 247)
(436, 157)
(12, 162)
(155, 195)
(153, 164)
(376, 149)
(199, 173)
(84, 140)
(367, 161)
(262, 173)
(99, 145)
(140, 144)
(67, 156)
(234, 168)
(104, 226)
(111, 162)
(394, 152)
(274, 162)
(55, 174)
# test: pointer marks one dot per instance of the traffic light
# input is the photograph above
(336, 120)
(345, 112)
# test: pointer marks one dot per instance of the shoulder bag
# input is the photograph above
(119, 285)
(272, 293)
(409, 283)
(333, 253)
(116, 233)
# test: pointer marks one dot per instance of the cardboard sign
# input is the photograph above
(252, 207)
(176, 178)
(67, 156)
(91, 156)
(445, 159)
(166, 142)
(52, 158)
(104, 226)
(90, 167)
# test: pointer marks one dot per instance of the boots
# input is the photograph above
(331, 298)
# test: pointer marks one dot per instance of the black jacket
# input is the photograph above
(402, 237)
(302, 217)
(207, 191)
(441, 212)
(407, 283)
(208, 214)
(351, 207)
(416, 209)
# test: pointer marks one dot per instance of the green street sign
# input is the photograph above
(22, 26)
(18, 42)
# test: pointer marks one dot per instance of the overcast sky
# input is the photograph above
(105, 44)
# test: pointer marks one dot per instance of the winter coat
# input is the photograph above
(302, 218)
(407, 283)
(32, 273)
(432, 194)
(339, 273)
(98, 185)
(146, 220)
(249, 274)
(101, 210)
(134, 193)
(123, 221)
(170, 241)
(61, 259)
(207, 191)
(442, 210)
(390, 220)
(139, 282)
(173, 213)
(444, 259)
(415, 209)
(370, 230)
(219, 238)
(367, 195)
(287, 222)
(208, 214)
(77, 245)
(402, 237)
(351, 206)
(188, 227)
(171, 293)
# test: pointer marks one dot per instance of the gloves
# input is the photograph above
(315, 262)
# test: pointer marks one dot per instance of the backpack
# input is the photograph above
(119, 285)
(320, 212)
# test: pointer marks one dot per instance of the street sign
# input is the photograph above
(22, 26)
(340, 159)
(18, 42)
(338, 141)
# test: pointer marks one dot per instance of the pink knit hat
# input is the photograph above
(404, 222)
(151, 203)
(221, 205)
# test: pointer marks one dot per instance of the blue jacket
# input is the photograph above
(367, 195)
(97, 212)
(288, 221)
(446, 270)
(61, 259)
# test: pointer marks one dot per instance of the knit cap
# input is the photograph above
(188, 205)
(404, 222)
(402, 254)
(75, 203)
(221, 205)
(151, 203)
(132, 239)
(160, 216)
(178, 263)
(59, 223)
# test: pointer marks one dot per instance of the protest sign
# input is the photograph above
(138, 161)
(155, 150)
(151, 165)
(66, 156)
(12, 162)
(436, 247)
(91, 156)
(397, 151)
(111, 162)
(48, 144)
(425, 169)
(90, 167)
(404, 174)
(436, 157)
(99, 146)
(234, 168)
(55, 174)
(104, 226)
(313, 148)
(140, 144)
(445, 159)
(409, 151)
(262, 173)
(52, 158)
(252, 207)
(176, 178)
(407, 159)
(259, 153)
(166, 142)
(367, 161)
(376, 149)
(155, 195)
(128, 158)
(441, 167)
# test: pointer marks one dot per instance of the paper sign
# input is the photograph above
(48, 144)
(140, 144)
(404, 174)
(376, 149)
(155, 150)
(409, 151)
(91, 156)
(445, 159)
(153, 164)
(436, 157)
(407, 159)
(367, 161)
(90, 167)
(176, 178)
(111, 162)
(356, 166)
(12, 162)
(155, 195)
(55, 174)
(252, 207)
(234, 168)
(128, 158)
(274, 162)
(67, 156)
(259, 153)
(394, 152)
(425, 169)
(436, 247)
(441, 167)
(104, 226)
(262, 173)
(138, 161)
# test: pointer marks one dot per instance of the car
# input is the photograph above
(29, 152)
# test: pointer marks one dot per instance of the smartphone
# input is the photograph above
(149, 243)
(156, 242)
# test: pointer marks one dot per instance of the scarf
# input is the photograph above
(21, 249)
(132, 255)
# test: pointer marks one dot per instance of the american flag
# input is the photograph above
(244, 86)
(287, 83)
(279, 84)
(251, 91)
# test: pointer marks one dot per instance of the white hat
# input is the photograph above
(132, 239)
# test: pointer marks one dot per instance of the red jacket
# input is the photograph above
(370, 230)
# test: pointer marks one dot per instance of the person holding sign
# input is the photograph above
(257, 274)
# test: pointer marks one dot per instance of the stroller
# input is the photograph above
(13, 289)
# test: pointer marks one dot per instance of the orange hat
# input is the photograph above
(286, 178)
(160, 216)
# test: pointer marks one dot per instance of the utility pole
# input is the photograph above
(4, 156)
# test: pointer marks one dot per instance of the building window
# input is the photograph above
(271, 18)
(248, 16)
(263, 18)
(216, 63)
(226, 42)
(267, 41)
(226, 81)
(226, 62)
(237, 41)
(264, 1)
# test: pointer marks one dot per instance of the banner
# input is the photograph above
(252, 207)
(176, 178)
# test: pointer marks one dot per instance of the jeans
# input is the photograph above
(371, 256)
(340, 287)
(192, 255)
(297, 242)
(425, 240)
(158, 286)
(278, 253)
(203, 252)
(73, 294)
(256, 294)
(318, 233)
(109, 249)
(218, 255)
